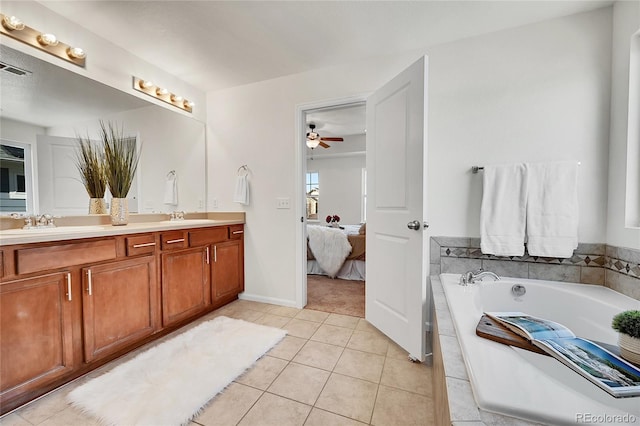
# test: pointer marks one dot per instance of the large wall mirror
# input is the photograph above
(44, 108)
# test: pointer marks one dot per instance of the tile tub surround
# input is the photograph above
(615, 267)
(453, 396)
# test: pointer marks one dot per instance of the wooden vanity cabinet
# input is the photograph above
(185, 284)
(227, 271)
(118, 305)
(36, 333)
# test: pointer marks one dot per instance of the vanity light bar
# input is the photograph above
(47, 42)
(161, 93)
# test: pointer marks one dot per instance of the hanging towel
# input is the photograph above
(171, 190)
(503, 210)
(241, 194)
(552, 209)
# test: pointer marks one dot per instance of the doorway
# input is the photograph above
(332, 199)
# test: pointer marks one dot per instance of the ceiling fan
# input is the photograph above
(314, 139)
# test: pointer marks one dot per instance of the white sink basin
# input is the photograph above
(54, 230)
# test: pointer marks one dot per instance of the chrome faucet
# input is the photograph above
(176, 215)
(470, 277)
(41, 221)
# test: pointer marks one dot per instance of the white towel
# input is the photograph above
(241, 193)
(503, 211)
(552, 209)
(171, 190)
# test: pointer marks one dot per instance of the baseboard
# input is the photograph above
(264, 299)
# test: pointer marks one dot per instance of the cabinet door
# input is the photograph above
(118, 305)
(227, 271)
(185, 284)
(36, 346)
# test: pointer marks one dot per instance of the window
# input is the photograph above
(313, 192)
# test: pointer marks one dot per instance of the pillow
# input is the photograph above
(363, 229)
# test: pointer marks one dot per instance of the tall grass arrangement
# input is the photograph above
(120, 159)
(90, 164)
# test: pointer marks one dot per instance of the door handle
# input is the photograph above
(416, 225)
(89, 283)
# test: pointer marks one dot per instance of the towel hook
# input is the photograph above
(245, 168)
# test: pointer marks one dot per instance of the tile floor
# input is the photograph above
(329, 370)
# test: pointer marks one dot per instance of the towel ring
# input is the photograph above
(245, 168)
(171, 173)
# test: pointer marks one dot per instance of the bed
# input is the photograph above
(348, 249)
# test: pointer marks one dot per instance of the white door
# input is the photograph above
(396, 289)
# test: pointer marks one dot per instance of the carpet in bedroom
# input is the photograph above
(335, 295)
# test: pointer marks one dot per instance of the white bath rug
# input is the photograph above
(169, 383)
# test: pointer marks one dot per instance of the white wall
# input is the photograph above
(340, 187)
(18, 131)
(626, 21)
(535, 93)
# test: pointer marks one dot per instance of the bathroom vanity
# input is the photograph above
(72, 301)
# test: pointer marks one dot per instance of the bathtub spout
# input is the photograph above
(471, 277)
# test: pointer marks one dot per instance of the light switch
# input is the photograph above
(283, 203)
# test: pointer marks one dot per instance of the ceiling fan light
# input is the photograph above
(313, 143)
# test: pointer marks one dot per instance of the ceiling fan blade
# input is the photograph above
(324, 145)
(332, 139)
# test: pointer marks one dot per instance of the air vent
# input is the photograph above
(13, 70)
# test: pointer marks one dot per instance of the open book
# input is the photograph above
(606, 370)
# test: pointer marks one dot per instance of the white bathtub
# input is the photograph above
(526, 385)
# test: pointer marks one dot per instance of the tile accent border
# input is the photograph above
(615, 267)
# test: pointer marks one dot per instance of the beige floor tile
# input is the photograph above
(300, 383)
(347, 396)
(311, 315)
(70, 417)
(229, 406)
(263, 373)
(368, 342)
(246, 314)
(40, 410)
(274, 320)
(324, 418)
(254, 306)
(342, 320)
(407, 375)
(361, 365)
(13, 420)
(364, 325)
(287, 348)
(273, 410)
(320, 355)
(284, 311)
(395, 351)
(395, 407)
(301, 328)
(333, 335)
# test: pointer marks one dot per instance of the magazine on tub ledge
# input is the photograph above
(606, 370)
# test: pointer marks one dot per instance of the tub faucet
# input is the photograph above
(471, 277)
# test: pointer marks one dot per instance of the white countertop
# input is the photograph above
(63, 233)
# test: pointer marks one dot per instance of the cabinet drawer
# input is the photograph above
(203, 237)
(63, 255)
(173, 240)
(236, 232)
(141, 244)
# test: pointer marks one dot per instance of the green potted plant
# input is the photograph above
(120, 163)
(627, 323)
(90, 164)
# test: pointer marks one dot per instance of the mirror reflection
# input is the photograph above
(44, 108)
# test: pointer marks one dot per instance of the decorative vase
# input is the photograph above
(97, 206)
(629, 348)
(119, 211)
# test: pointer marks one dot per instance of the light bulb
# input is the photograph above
(145, 84)
(161, 92)
(12, 23)
(176, 98)
(76, 53)
(47, 39)
(188, 104)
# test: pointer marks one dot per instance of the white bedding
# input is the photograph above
(329, 246)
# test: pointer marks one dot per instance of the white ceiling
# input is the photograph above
(218, 44)
(339, 121)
